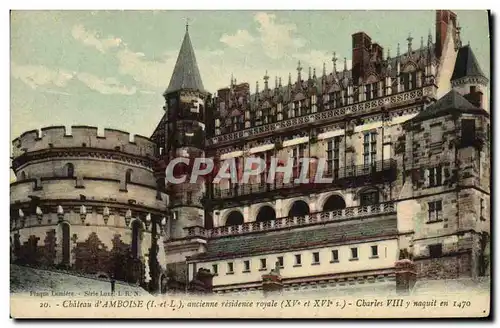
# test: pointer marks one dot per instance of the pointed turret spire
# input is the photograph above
(399, 51)
(186, 74)
(429, 38)
(266, 79)
(314, 73)
(275, 82)
(324, 69)
(409, 39)
(309, 75)
(289, 78)
(334, 60)
(299, 69)
(279, 82)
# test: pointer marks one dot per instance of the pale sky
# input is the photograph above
(110, 68)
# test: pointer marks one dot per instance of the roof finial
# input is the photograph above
(187, 24)
(279, 82)
(459, 41)
(266, 79)
(345, 64)
(429, 38)
(232, 81)
(409, 39)
(289, 78)
(334, 60)
(309, 73)
(324, 69)
(257, 87)
(299, 69)
(275, 82)
(388, 53)
(399, 51)
(421, 42)
(314, 73)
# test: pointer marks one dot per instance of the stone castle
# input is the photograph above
(407, 142)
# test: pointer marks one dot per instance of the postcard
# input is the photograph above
(250, 164)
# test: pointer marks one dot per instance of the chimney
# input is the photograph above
(443, 19)
(475, 97)
(361, 49)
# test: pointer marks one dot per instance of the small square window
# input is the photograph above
(435, 250)
(335, 255)
(246, 266)
(215, 269)
(281, 261)
(263, 264)
(374, 251)
(298, 259)
(354, 253)
(316, 258)
(230, 268)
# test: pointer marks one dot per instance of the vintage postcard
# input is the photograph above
(250, 164)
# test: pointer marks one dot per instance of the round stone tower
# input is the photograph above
(87, 203)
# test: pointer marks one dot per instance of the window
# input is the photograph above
(354, 253)
(369, 198)
(128, 176)
(435, 176)
(481, 210)
(281, 261)
(436, 133)
(298, 260)
(297, 153)
(374, 251)
(230, 268)
(369, 148)
(468, 132)
(435, 250)
(215, 269)
(315, 258)
(263, 264)
(335, 255)
(435, 211)
(246, 266)
(314, 99)
(70, 170)
(333, 157)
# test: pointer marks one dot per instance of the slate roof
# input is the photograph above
(466, 64)
(452, 102)
(252, 244)
(186, 74)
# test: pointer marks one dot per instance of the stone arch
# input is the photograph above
(135, 244)
(409, 67)
(372, 78)
(265, 213)
(234, 217)
(323, 198)
(69, 170)
(299, 208)
(128, 176)
(163, 283)
(65, 243)
(334, 202)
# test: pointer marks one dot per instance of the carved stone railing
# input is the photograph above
(297, 122)
(287, 222)
(347, 172)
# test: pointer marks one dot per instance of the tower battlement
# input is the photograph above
(82, 136)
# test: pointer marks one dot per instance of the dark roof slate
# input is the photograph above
(186, 74)
(451, 102)
(251, 244)
(466, 64)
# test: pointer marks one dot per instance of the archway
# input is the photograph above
(163, 284)
(70, 170)
(136, 229)
(299, 208)
(333, 203)
(234, 218)
(65, 243)
(266, 213)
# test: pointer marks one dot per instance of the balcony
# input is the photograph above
(354, 174)
(348, 213)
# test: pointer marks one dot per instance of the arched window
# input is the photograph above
(369, 197)
(266, 213)
(333, 203)
(128, 176)
(65, 243)
(136, 229)
(23, 175)
(70, 170)
(299, 208)
(234, 218)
